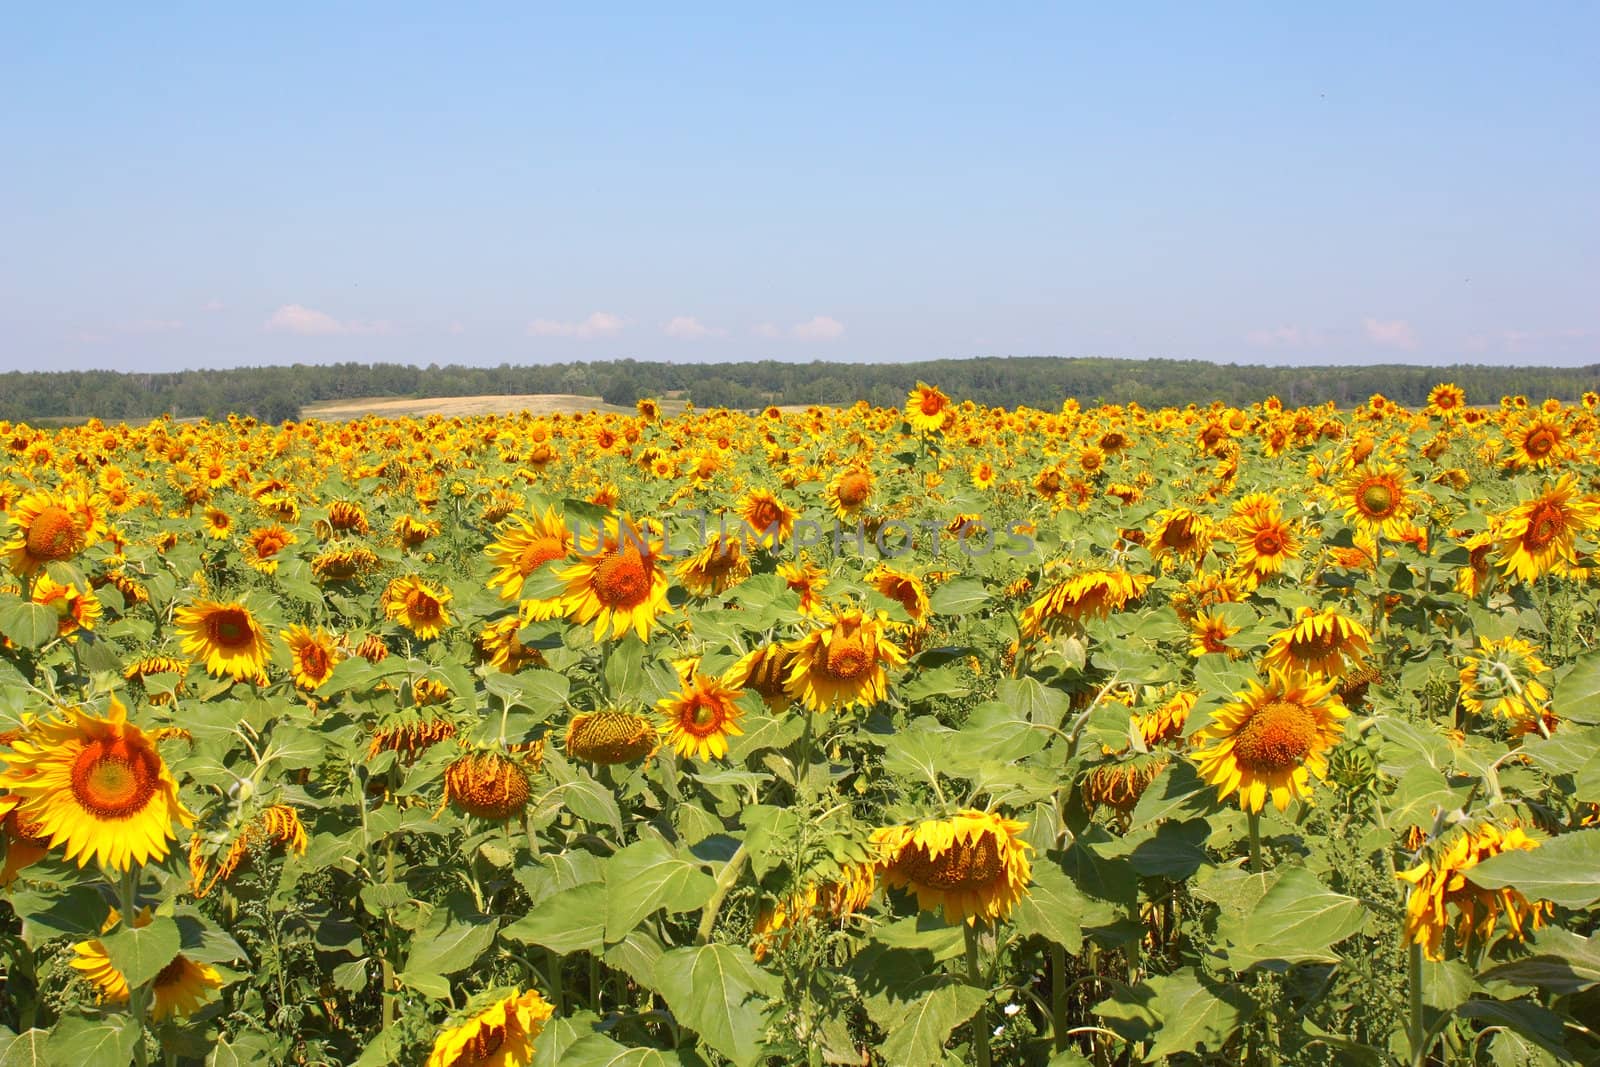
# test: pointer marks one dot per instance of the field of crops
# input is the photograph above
(936, 735)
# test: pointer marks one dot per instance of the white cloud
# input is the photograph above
(1395, 334)
(820, 328)
(294, 318)
(689, 328)
(600, 324)
(457, 329)
(765, 329)
(214, 305)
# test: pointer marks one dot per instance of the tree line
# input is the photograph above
(275, 394)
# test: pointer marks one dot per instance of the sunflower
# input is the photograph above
(1474, 577)
(144, 667)
(1165, 723)
(971, 866)
(1271, 739)
(836, 898)
(1090, 594)
(1119, 784)
(1209, 633)
(276, 825)
(23, 844)
(1446, 400)
(501, 1035)
(489, 785)
(841, 664)
(1320, 642)
(983, 475)
(522, 548)
(500, 642)
(620, 586)
(97, 786)
(1501, 680)
(1264, 540)
(763, 670)
(417, 606)
(312, 656)
(905, 589)
(227, 638)
(1179, 533)
(770, 520)
(75, 609)
(1377, 499)
(849, 492)
(343, 561)
(262, 545)
(1537, 537)
(610, 737)
(701, 717)
(718, 566)
(409, 735)
(413, 532)
(49, 528)
(926, 408)
(807, 579)
(177, 990)
(1538, 443)
(1442, 881)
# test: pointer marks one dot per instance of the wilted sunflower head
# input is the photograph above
(611, 737)
(970, 866)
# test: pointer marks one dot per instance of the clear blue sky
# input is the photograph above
(202, 185)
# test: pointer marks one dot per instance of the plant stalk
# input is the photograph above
(980, 1021)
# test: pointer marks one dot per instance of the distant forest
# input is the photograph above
(277, 393)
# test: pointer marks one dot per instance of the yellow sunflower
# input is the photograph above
(1086, 595)
(501, 1035)
(488, 784)
(1442, 881)
(769, 520)
(702, 716)
(226, 638)
(1501, 679)
(1538, 443)
(1271, 739)
(717, 567)
(1537, 537)
(835, 898)
(610, 737)
(1264, 540)
(842, 664)
(75, 609)
(177, 990)
(417, 606)
(926, 408)
(620, 586)
(262, 545)
(522, 548)
(1179, 533)
(1322, 642)
(218, 524)
(1377, 499)
(807, 579)
(907, 589)
(849, 492)
(312, 654)
(971, 866)
(98, 787)
(49, 528)
(1209, 633)
(1446, 400)
(1474, 577)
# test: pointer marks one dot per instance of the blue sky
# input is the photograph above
(205, 185)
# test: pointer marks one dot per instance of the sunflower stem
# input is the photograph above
(1254, 819)
(1415, 1025)
(729, 875)
(128, 891)
(980, 1021)
(1058, 996)
(388, 963)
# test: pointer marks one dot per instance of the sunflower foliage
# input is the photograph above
(922, 736)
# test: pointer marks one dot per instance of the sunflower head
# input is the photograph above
(842, 664)
(1442, 883)
(226, 638)
(610, 737)
(1271, 739)
(701, 717)
(489, 785)
(970, 866)
(500, 1035)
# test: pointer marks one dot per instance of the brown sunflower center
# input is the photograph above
(422, 606)
(704, 717)
(932, 403)
(481, 1046)
(314, 661)
(270, 544)
(1276, 738)
(1377, 500)
(54, 535)
(114, 779)
(767, 676)
(854, 488)
(230, 629)
(172, 973)
(1179, 534)
(1268, 543)
(763, 515)
(1545, 525)
(848, 657)
(538, 552)
(1316, 646)
(620, 579)
(965, 865)
(1540, 443)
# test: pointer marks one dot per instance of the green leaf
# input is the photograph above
(1562, 962)
(1565, 870)
(958, 597)
(1175, 851)
(1178, 790)
(449, 942)
(917, 1037)
(624, 671)
(108, 1040)
(248, 1049)
(26, 1049)
(1053, 908)
(1297, 921)
(719, 992)
(572, 920)
(654, 876)
(598, 1050)
(29, 625)
(141, 953)
(1194, 1014)
(936, 682)
(1576, 696)
(1034, 701)
(79, 911)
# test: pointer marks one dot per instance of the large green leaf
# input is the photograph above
(958, 597)
(1565, 870)
(1195, 1014)
(598, 1050)
(140, 954)
(1298, 920)
(652, 876)
(109, 1040)
(450, 941)
(918, 1034)
(29, 625)
(1176, 792)
(26, 1049)
(1562, 962)
(572, 920)
(720, 993)
(1053, 908)
(1576, 696)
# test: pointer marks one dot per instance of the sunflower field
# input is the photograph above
(939, 735)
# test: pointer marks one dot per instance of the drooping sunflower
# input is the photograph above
(807, 579)
(842, 664)
(522, 548)
(1537, 536)
(501, 1035)
(1264, 541)
(262, 545)
(343, 561)
(836, 898)
(717, 567)
(417, 606)
(75, 609)
(1209, 632)
(1442, 881)
(849, 492)
(1324, 642)
(701, 716)
(145, 666)
(1165, 724)
(313, 655)
(500, 642)
(1501, 679)
(926, 408)
(276, 825)
(970, 866)
(177, 991)
(906, 589)
(49, 528)
(226, 638)
(1118, 784)
(1377, 499)
(1271, 739)
(1179, 533)
(620, 586)
(610, 737)
(1089, 594)
(98, 788)
(1473, 578)
(490, 785)
(769, 521)
(409, 734)
(24, 844)
(763, 669)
